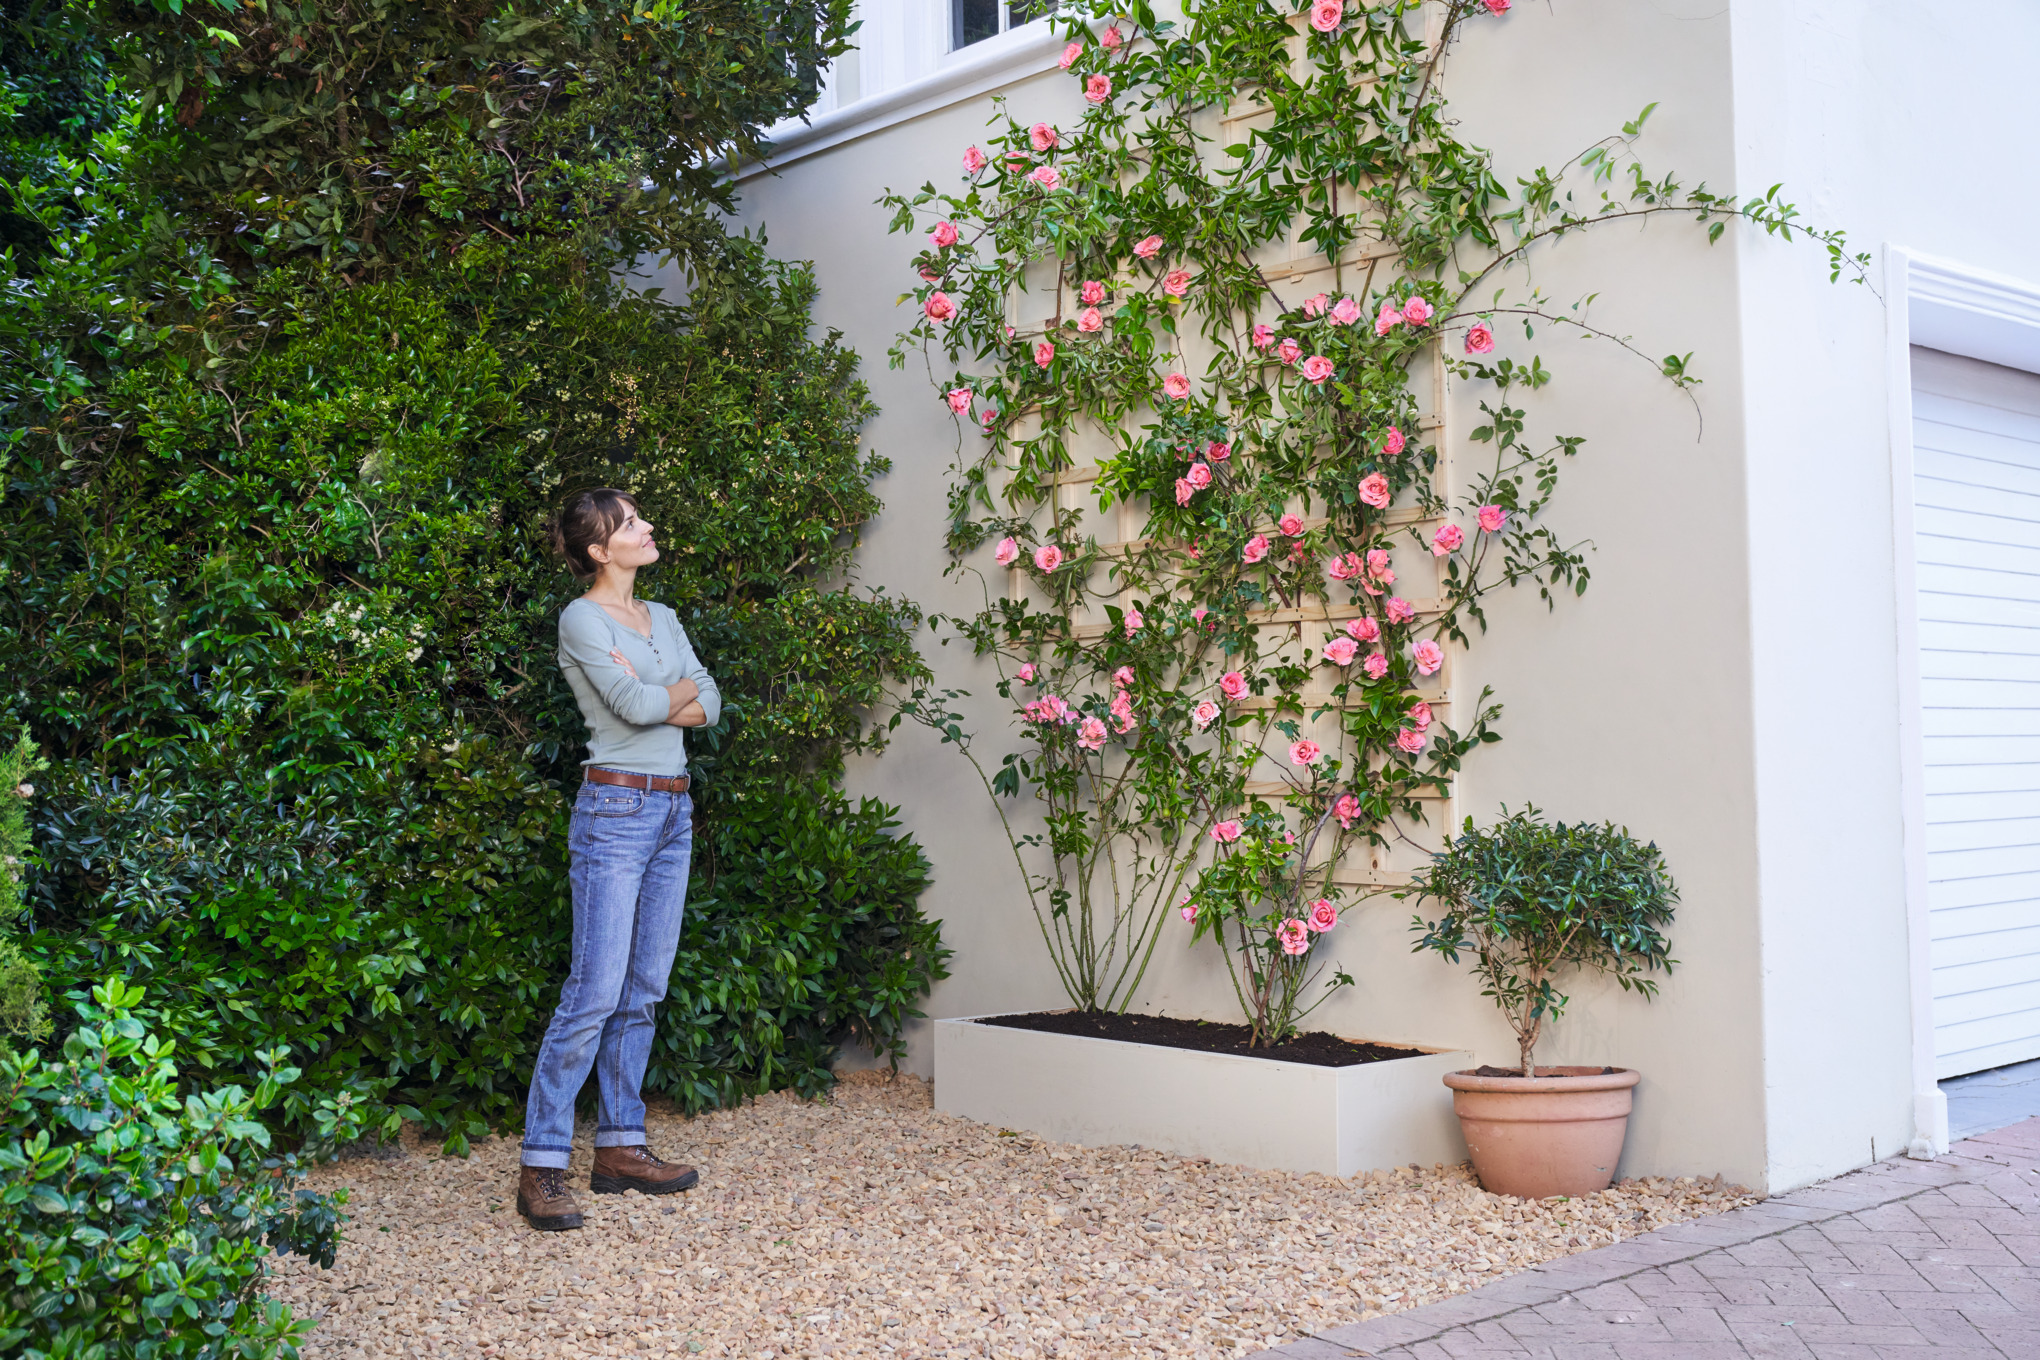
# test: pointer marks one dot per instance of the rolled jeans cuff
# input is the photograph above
(556, 1158)
(619, 1137)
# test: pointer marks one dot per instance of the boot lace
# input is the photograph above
(552, 1182)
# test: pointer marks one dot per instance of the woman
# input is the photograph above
(638, 684)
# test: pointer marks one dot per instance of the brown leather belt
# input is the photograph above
(650, 783)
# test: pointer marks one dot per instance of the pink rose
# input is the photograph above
(928, 275)
(1376, 665)
(1184, 491)
(1089, 321)
(939, 307)
(944, 235)
(1291, 934)
(973, 160)
(1389, 318)
(1043, 137)
(1399, 610)
(1343, 568)
(1256, 549)
(1098, 88)
(1007, 552)
(1122, 713)
(1225, 833)
(1200, 475)
(1134, 620)
(1094, 292)
(1264, 336)
(1112, 37)
(1416, 311)
(1289, 351)
(1233, 686)
(1044, 353)
(1325, 15)
(1341, 651)
(1347, 810)
(1420, 715)
(1176, 282)
(1496, 6)
(1393, 442)
(1123, 677)
(1377, 566)
(1218, 451)
(1189, 912)
(1315, 306)
(1199, 612)
(1290, 524)
(1091, 735)
(1316, 368)
(1409, 741)
(1176, 386)
(1305, 752)
(1429, 656)
(1479, 339)
(958, 399)
(1045, 176)
(1070, 55)
(1148, 247)
(1363, 629)
(1323, 916)
(1374, 490)
(988, 418)
(1447, 539)
(1492, 518)
(1346, 312)
(1048, 557)
(1205, 714)
(1026, 670)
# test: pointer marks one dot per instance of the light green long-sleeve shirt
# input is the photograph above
(626, 715)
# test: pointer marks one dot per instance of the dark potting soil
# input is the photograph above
(1542, 1075)
(1206, 1036)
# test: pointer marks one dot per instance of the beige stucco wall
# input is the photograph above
(1725, 686)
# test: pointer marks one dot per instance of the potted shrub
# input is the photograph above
(1528, 900)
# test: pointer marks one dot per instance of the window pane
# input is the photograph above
(975, 20)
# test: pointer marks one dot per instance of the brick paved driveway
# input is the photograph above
(1934, 1260)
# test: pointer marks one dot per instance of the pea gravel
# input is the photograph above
(870, 1225)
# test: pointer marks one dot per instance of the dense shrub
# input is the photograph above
(137, 1219)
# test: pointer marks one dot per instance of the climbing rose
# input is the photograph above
(1134, 619)
(1377, 566)
(1094, 292)
(1374, 490)
(1176, 282)
(1184, 490)
(1044, 353)
(1176, 385)
(1200, 475)
(1189, 911)
(1027, 670)
(939, 307)
(1420, 715)
(1050, 708)
(1091, 736)
(1264, 336)
(1294, 938)
(1363, 629)
(1123, 677)
(928, 275)
(1326, 15)
(1070, 55)
(1233, 685)
(959, 399)
(1316, 368)
(1290, 524)
(1416, 311)
(1218, 451)
(1341, 651)
(1112, 37)
(1048, 557)
(1393, 442)
(1429, 656)
(1200, 611)
(1399, 610)
(1042, 136)
(1315, 306)
(1305, 752)
(1347, 810)
(1089, 320)
(1389, 319)
(1376, 665)
(1447, 539)
(1045, 176)
(973, 160)
(1122, 712)
(1346, 312)
(1492, 518)
(1225, 833)
(1007, 551)
(987, 418)
(1496, 6)
(1479, 339)
(1098, 89)
(944, 235)
(1205, 714)
(1290, 351)
(1323, 915)
(1256, 549)
(1343, 568)
(1147, 247)
(1409, 740)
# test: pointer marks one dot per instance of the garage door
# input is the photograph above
(1976, 493)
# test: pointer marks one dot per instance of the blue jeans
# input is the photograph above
(630, 852)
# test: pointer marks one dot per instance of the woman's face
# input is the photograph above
(631, 545)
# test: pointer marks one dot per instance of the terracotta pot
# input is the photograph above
(1558, 1133)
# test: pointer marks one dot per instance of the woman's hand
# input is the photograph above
(620, 659)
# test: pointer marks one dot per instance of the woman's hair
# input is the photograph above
(587, 520)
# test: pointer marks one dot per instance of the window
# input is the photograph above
(975, 20)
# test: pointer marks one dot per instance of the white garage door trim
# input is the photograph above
(1945, 306)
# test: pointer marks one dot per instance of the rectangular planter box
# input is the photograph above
(1281, 1116)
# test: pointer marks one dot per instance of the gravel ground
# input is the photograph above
(873, 1226)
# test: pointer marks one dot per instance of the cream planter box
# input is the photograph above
(1282, 1116)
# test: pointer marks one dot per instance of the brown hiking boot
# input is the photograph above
(545, 1201)
(618, 1169)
